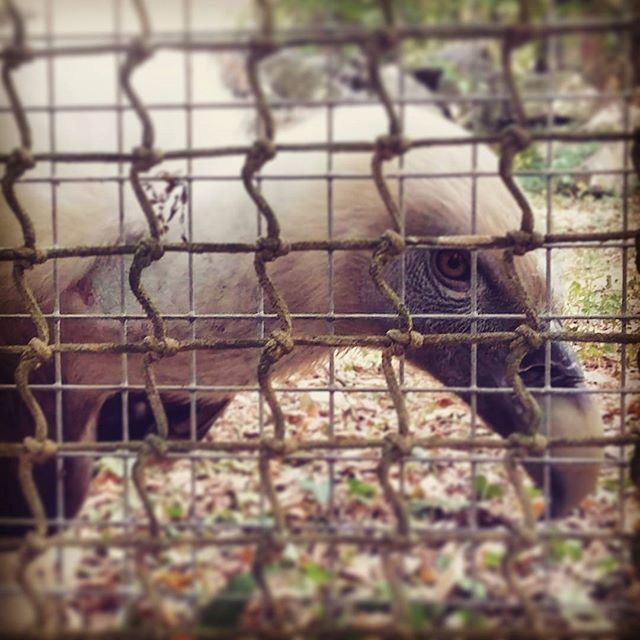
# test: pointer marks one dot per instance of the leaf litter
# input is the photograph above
(443, 490)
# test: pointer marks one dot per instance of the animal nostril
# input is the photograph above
(560, 375)
(533, 375)
(568, 377)
(563, 366)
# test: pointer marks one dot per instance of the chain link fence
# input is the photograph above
(275, 446)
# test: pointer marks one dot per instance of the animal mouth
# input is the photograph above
(141, 421)
(553, 375)
(565, 472)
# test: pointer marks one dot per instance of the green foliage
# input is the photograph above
(317, 574)
(224, 515)
(492, 559)
(473, 587)
(561, 549)
(175, 511)
(530, 160)
(595, 296)
(581, 8)
(443, 561)
(361, 490)
(612, 485)
(467, 619)
(609, 564)
(353, 12)
(569, 156)
(533, 492)
(485, 490)
(566, 157)
(594, 287)
(226, 608)
(368, 12)
(420, 615)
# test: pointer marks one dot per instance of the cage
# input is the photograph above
(318, 319)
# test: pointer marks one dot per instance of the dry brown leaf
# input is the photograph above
(175, 580)
(309, 406)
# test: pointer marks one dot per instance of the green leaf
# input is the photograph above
(420, 616)
(226, 608)
(531, 160)
(361, 489)
(485, 490)
(574, 550)
(175, 511)
(473, 587)
(610, 484)
(565, 549)
(225, 515)
(608, 564)
(556, 547)
(492, 559)
(443, 561)
(317, 574)
(533, 492)
(466, 619)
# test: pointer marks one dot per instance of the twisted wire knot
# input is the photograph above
(20, 161)
(524, 241)
(260, 153)
(530, 337)
(41, 350)
(35, 543)
(279, 343)
(395, 447)
(535, 444)
(140, 50)
(391, 145)
(412, 339)
(164, 346)
(149, 250)
(392, 242)
(271, 248)
(262, 47)
(277, 447)
(515, 138)
(517, 35)
(381, 41)
(156, 445)
(16, 55)
(39, 450)
(37, 257)
(386, 39)
(30, 257)
(145, 158)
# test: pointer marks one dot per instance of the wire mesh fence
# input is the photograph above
(48, 442)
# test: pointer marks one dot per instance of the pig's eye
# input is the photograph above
(453, 268)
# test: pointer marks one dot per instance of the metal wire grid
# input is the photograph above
(395, 450)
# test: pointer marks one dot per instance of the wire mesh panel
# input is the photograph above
(293, 321)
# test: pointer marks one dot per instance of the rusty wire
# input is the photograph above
(158, 344)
